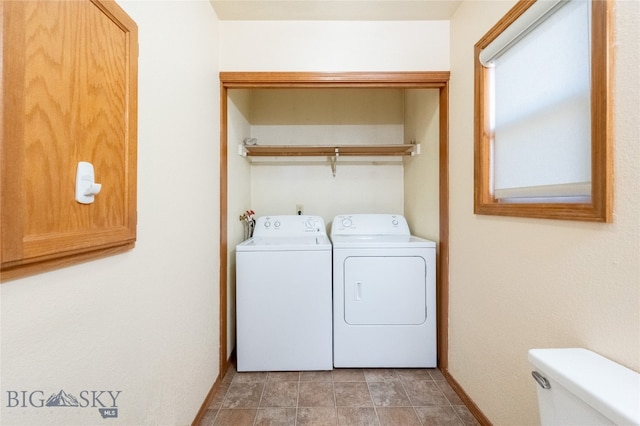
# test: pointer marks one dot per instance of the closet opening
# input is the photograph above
(345, 109)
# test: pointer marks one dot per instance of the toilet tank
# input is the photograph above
(578, 387)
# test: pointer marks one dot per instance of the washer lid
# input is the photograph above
(307, 243)
(380, 241)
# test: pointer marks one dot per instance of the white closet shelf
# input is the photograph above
(329, 150)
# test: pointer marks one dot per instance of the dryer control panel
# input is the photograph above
(369, 224)
(289, 226)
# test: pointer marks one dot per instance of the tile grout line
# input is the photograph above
(223, 399)
(410, 400)
(450, 403)
(295, 420)
(264, 385)
(335, 399)
(373, 403)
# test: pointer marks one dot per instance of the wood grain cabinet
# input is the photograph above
(69, 94)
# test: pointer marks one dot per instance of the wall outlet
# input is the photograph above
(299, 208)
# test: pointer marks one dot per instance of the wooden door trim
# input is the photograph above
(416, 80)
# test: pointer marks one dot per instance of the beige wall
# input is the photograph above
(334, 46)
(238, 195)
(421, 172)
(329, 116)
(336, 116)
(517, 284)
(146, 322)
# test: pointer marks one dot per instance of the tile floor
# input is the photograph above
(398, 397)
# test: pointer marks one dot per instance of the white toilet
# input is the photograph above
(579, 387)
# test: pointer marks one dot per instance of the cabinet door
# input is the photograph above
(69, 94)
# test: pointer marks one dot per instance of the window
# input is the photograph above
(543, 112)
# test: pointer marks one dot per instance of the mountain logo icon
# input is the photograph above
(62, 399)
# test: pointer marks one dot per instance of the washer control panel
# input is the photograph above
(289, 226)
(369, 224)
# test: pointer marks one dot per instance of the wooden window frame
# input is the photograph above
(600, 208)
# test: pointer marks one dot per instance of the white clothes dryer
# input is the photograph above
(283, 296)
(384, 307)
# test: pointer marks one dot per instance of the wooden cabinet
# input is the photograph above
(69, 94)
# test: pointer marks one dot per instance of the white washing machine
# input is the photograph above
(384, 295)
(283, 296)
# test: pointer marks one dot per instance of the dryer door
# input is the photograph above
(385, 290)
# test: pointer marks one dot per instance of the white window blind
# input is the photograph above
(541, 112)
